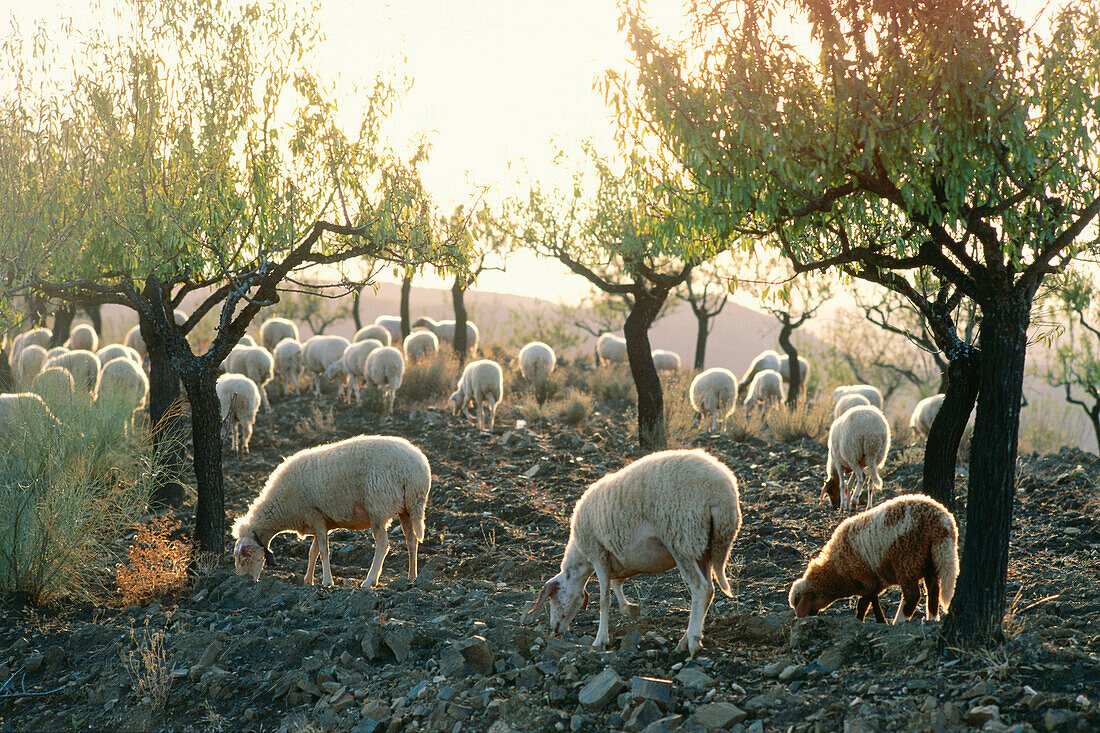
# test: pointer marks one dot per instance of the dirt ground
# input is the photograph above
(452, 651)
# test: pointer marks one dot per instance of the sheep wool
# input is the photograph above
(665, 361)
(256, 363)
(135, 341)
(288, 363)
(239, 398)
(445, 331)
(858, 441)
(84, 337)
(847, 402)
(113, 351)
(55, 386)
(785, 368)
(904, 542)
(275, 330)
(374, 331)
(766, 387)
(420, 344)
(713, 394)
(358, 483)
(482, 383)
(393, 325)
(767, 359)
(36, 336)
(27, 364)
(352, 367)
(537, 361)
(871, 392)
(82, 365)
(386, 369)
(320, 351)
(925, 413)
(122, 383)
(611, 349)
(676, 508)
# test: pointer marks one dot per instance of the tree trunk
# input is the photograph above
(37, 308)
(206, 435)
(355, 317)
(406, 321)
(651, 406)
(794, 383)
(62, 324)
(977, 610)
(703, 321)
(95, 315)
(7, 380)
(458, 299)
(169, 432)
(1094, 415)
(942, 449)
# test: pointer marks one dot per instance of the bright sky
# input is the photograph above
(495, 81)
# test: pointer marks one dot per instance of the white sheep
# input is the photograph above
(785, 369)
(900, 542)
(136, 342)
(393, 325)
(256, 363)
(421, 344)
(24, 414)
(925, 413)
(665, 361)
(385, 369)
(28, 363)
(38, 336)
(445, 331)
(766, 359)
(320, 351)
(482, 383)
(858, 441)
(123, 383)
(288, 363)
(872, 393)
(611, 349)
(358, 483)
(57, 351)
(766, 387)
(82, 365)
(352, 367)
(676, 508)
(374, 331)
(274, 330)
(83, 337)
(55, 386)
(847, 402)
(713, 395)
(114, 351)
(239, 398)
(537, 361)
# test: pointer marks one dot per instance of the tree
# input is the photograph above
(706, 291)
(317, 303)
(1075, 366)
(487, 242)
(947, 139)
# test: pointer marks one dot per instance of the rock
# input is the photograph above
(1056, 719)
(979, 690)
(642, 715)
(792, 672)
(718, 715)
(367, 725)
(629, 643)
(979, 714)
(533, 471)
(664, 725)
(764, 628)
(33, 662)
(373, 647)
(651, 688)
(397, 643)
(600, 690)
(831, 659)
(499, 726)
(478, 653)
(210, 655)
(694, 678)
(774, 669)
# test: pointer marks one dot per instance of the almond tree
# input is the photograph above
(706, 292)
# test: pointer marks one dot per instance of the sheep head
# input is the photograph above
(249, 557)
(566, 596)
(832, 490)
(803, 599)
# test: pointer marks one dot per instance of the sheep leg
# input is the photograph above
(867, 601)
(480, 416)
(932, 588)
(492, 414)
(702, 593)
(877, 608)
(263, 399)
(410, 542)
(314, 550)
(321, 534)
(603, 577)
(626, 608)
(246, 435)
(381, 547)
(910, 597)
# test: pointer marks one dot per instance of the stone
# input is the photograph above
(979, 714)
(33, 662)
(398, 644)
(763, 628)
(792, 672)
(650, 688)
(367, 725)
(831, 659)
(718, 715)
(210, 655)
(630, 641)
(1056, 719)
(694, 678)
(373, 648)
(478, 653)
(979, 690)
(642, 715)
(533, 471)
(774, 669)
(600, 690)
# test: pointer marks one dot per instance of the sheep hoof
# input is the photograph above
(691, 645)
(631, 610)
(600, 645)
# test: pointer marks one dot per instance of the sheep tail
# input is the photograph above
(416, 514)
(722, 534)
(946, 559)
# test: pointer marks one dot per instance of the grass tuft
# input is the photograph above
(804, 420)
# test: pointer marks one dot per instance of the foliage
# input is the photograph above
(147, 665)
(556, 328)
(1075, 365)
(156, 562)
(742, 426)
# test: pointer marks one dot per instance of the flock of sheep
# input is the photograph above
(676, 508)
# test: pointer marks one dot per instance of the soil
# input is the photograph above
(453, 650)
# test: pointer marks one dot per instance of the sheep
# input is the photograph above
(82, 365)
(482, 382)
(274, 330)
(320, 351)
(55, 386)
(421, 343)
(785, 368)
(445, 331)
(858, 441)
(766, 359)
(239, 398)
(393, 325)
(36, 336)
(611, 349)
(123, 383)
(22, 414)
(113, 351)
(379, 333)
(924, 413)
(57, 351)
(872, 393)
(665, 361)
(713, 394)
(28, 363)
(766, 387)
(900, 542)
(358, 483)
(288, 363)
(847, 402)
(675, 508)
(256, 363)
(385, 369)
(537, 361)
(353, 366)
(84, 337)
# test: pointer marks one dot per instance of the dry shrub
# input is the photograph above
(742, 426)
(532, 410)
(574, 408)
(148, 667)
(318, 423)
(804, 420)
(681, 422)
(156, 563)
(429, 380)
(542, 390)
(613, 385)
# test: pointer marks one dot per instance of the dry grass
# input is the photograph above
(318, 423)
(156, 563)
(742, 426)
(429, 380)
(803, 420)
(681, 423)
(612, 385)
(147, 665)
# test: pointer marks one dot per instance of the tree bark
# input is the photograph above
(169, 433)
(62, 324)
(942, 449)
(703, 321)
(651, 406)
(794, 383)
(458, 299)
(355, 317)
(206, 436)
(7, 380)
(406, 320)
(977, 610)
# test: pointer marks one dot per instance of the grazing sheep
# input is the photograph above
(785, 368)
(713, 394)
(256, 363)
(925, 413)
(393, 325)
(858, 441)
(386, 368)
(900, 542)
(288, 363)
(28, 363)
(379, 333)
(358, 483)
(55, 386)
(239, 398)
(82, 365)
(766, 387)
(57, 351)
(676, 508)
(123, 383)
(482, 382)
(274, 330)
(537, 361)
(83, 337)
(611, 349)
(247, 341)
(320, 351)
(445, 331)
(352, 367)
(136, 342)
(421, 343)
(847, 402)
(665, 361)
(36, 336)
(23, 414)
(766, 359)
(113, 351)
(872, 393)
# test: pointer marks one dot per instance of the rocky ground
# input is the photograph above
(452, 651)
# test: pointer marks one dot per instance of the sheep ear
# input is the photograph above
(805, 604)
(548, 590)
